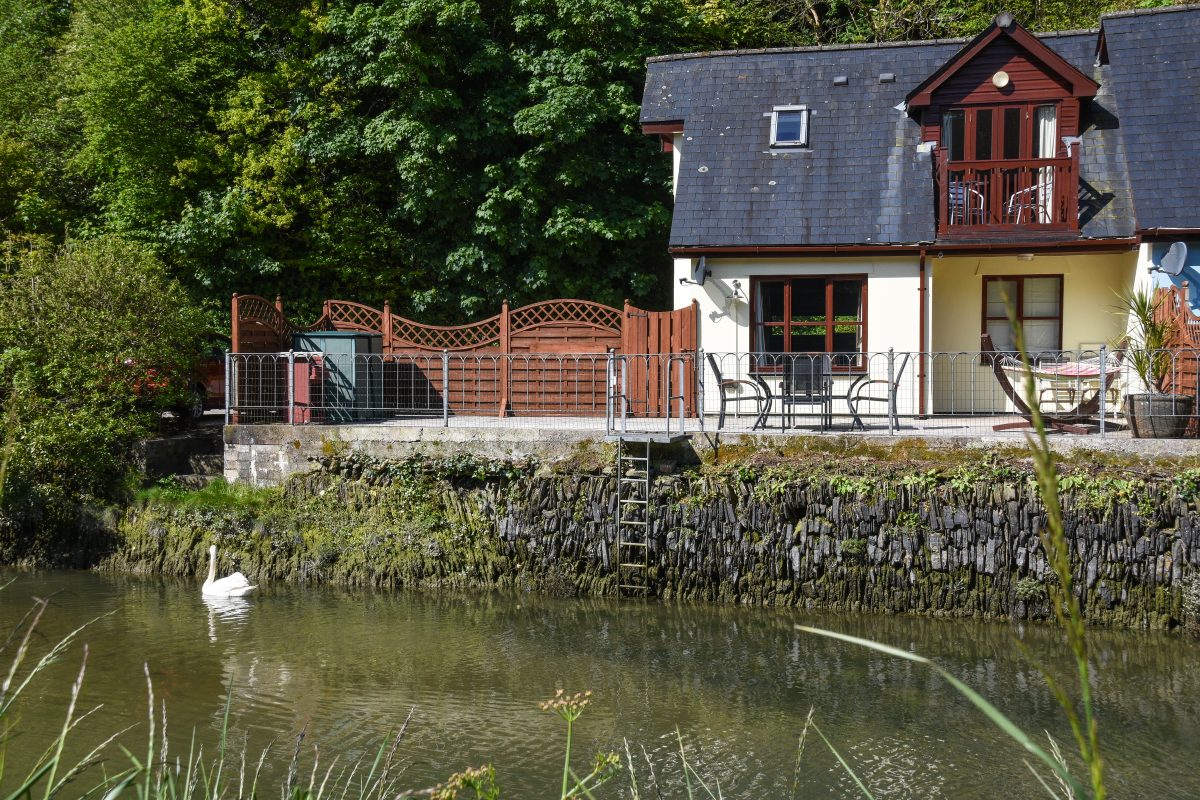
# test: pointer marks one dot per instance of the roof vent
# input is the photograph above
(887, 77)
(1004, 20)
(841, 80)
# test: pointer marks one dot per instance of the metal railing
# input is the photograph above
(977, 196)
(964, 393)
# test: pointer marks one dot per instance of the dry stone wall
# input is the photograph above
(905, 544)
(933, 550)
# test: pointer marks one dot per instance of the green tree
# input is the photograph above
(440, 154)
(95, 339)
(38, 195)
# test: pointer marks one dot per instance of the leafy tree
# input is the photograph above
(37, 194)
(440, 153)
(95, 338)
(804, 22)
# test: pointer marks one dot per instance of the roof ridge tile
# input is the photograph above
(834, 48)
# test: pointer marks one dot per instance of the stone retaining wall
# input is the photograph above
(905, 543)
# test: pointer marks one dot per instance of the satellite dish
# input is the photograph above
(1175, 259)
(701, 271)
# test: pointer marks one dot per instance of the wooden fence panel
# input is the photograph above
(1175, 309)
(575, 337)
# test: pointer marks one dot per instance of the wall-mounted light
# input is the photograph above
(1025, 257)
(1000, 79)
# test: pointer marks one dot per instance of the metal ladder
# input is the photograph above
(633, 518)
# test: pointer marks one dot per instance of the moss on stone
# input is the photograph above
(943, 541)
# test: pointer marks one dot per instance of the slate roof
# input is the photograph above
(1154, 65)
(862, 180)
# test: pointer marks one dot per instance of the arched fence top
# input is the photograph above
(346, 315)
(260, 325)
(566, 312)
(407, 334)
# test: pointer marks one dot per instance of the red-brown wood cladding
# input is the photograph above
(1029, 79)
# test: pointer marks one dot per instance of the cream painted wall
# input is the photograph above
(893, 313)
(1090, 317)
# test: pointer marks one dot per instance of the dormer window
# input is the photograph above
(789, 126)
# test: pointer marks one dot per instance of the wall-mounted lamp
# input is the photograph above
(1000, 79)
(1025, 257)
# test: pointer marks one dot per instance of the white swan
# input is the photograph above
(234, 585)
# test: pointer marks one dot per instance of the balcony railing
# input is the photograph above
(980, 197)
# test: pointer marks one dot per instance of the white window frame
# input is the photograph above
(803, 140)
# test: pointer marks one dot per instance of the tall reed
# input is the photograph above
(1068, 612)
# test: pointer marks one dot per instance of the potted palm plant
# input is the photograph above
(1153, 413)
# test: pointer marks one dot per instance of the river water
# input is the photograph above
(737, 683)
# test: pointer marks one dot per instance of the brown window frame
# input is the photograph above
(860, 362)
(1020, 303)
(970, 113)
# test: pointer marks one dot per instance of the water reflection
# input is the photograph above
(738, 682)
(229, 611)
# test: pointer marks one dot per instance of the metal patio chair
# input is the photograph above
(1032, 202)
(807, 382)
(861, 391)
(730, 393)
(967, 205)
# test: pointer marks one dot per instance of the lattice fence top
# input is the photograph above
(252, 308)
(1174, 308)
(559, 322)
(451, 337)
(568, 312)
(354, 316)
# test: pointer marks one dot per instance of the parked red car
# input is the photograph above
(206, 385)
(209, 382)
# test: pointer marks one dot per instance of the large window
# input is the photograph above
(811, 315)
(1037, 300)
(1001, 133)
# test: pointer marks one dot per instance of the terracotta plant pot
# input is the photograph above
(1159, 416)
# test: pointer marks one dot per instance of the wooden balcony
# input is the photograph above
(977, 199)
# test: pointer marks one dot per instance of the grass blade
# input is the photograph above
(994, 714)
(845, 765)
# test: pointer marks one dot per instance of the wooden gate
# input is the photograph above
(653, 342)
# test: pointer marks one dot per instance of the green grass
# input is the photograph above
(219, 495)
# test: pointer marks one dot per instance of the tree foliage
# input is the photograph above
(95, 338)
(439, 153)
